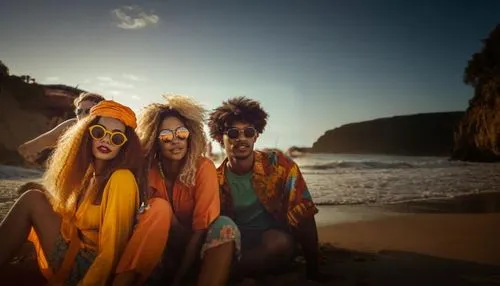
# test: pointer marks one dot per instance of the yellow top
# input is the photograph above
(107, 227)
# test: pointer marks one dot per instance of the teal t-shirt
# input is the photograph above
(250, 213)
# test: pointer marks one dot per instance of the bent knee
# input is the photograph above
(33, 195)
(157, 215)
(276, 242)
(158, 208)
(30, 186)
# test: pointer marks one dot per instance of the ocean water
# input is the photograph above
(336, 179)
(341, 179)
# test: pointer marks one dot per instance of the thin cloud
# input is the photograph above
(104, 78)
(132, 77)
(52, 79)
(134, 17)
(118, 84)
(109, 82)
(136, 97)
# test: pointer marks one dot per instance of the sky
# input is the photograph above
(314, 65)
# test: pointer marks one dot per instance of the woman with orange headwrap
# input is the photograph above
(82, 224)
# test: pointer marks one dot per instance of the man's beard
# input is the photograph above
(242, 157)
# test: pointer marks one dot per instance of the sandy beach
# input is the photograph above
(431, 242)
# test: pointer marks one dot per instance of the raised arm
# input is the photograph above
(32, 148)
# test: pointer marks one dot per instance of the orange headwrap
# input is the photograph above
(113, 109)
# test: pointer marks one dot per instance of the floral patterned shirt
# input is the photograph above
(278, 184)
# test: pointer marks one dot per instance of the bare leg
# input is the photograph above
(32, 209)
(30, 186)
(216, 265)
(275, 248)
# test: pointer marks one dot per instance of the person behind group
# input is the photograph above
(38, 149)
(263, 192)
(82, 222)
(198, 237)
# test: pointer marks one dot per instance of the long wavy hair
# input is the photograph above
(192, 114)
(71, 166)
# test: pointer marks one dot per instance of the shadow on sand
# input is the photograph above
(346, 267)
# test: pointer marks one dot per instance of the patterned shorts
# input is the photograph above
(221, 231)
(83, 260)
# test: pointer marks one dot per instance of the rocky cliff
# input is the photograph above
(29, 109)
(429, 134)
(478, 136)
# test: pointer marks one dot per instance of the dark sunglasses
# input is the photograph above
(234, 132)
(80, 111)
(167, 135)
(117, 138)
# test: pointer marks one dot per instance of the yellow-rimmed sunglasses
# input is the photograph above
(98, 132)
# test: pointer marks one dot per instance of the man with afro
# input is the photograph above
(263, 192)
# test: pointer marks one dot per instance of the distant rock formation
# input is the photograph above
(270, 150)
(428, 134)
(29, 109)
(478, 136)
(296, 152)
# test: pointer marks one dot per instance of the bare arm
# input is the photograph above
(301, 211)
(307, 236)
(206, 210)
(32, 148)
(190, 254)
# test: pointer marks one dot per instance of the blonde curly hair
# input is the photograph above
(192, 114)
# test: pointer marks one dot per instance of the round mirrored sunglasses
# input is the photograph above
(167, 135)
